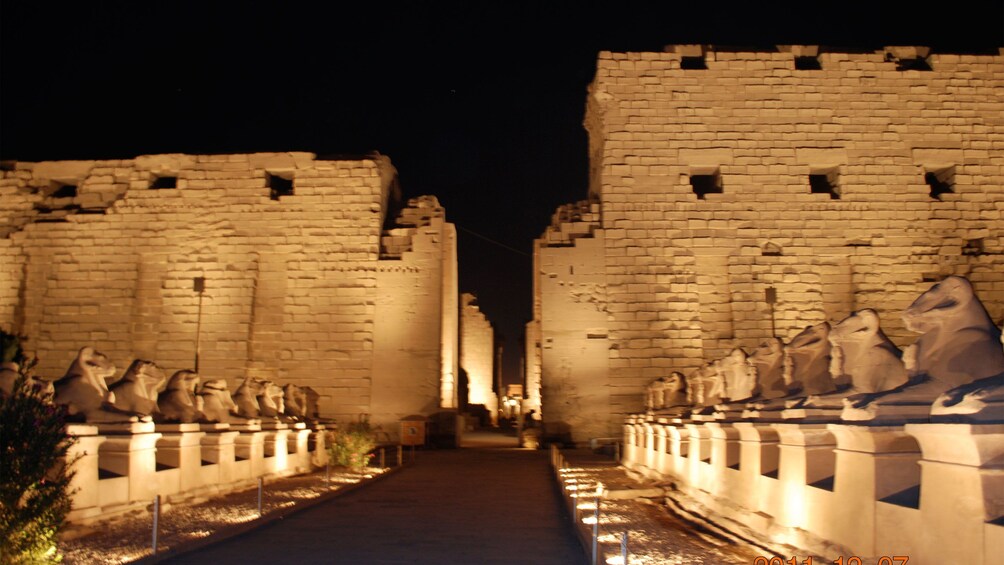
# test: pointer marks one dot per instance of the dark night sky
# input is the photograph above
(478, 103)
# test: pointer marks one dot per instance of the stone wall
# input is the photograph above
(105, 253)
(574, 324)
(847, 186)
(416, 315)
(477, 354)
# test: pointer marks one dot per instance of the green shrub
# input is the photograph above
(351, 447)
(34, 482)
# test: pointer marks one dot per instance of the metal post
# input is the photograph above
(617, 451)
(261, 486)
(624, 548)
(327, 474)
(199, 284)
(383, 458)
(575, 503)
(156, 521)
(400, 455)
(596, 530)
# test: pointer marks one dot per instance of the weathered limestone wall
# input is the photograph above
(291, 280)
(477, 354)
(414, 316)
(574, 325)
(686, 274)
(531, 367)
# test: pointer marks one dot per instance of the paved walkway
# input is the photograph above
(483, 504)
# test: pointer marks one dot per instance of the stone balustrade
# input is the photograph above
(121, 467)
(933, 492)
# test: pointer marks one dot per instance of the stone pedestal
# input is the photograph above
(811, 415)
(962, 491)
(249, 452)
(724, 445)
(699, 458)
(84, 486)
(660, 458)
(724, 458)
(758, 462)
(318, 446)
(274, 451)
(634, 439)
(651, 452)
(218, 449)
(871, 464)
(678, 449)
(299, 455)
(246, 426)
(806, 458)
(180, 447)
(130, 450)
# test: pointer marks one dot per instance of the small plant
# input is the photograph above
(351, 447)
(34, 490)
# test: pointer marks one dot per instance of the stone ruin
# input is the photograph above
(144, 394)
(141, 434)
(287, 268)
(851, 371)
(871, 451)
(737, 193)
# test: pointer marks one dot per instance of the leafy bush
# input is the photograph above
(351, 447)
(34, 490)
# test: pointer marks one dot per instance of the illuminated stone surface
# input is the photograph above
(302, 282)
(685, 276)
(477, 354)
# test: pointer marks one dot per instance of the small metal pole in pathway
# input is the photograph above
(624, 548)
(400, 452)
(156, 521)
(383, 458)
(596, 524)
(261, 486)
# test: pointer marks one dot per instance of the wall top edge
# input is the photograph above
(264, 158)
(687, 50)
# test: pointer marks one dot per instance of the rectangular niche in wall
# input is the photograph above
(166, 181)
(279, 184)
(824, 181)
(704, 181)
(807, 63)
(59, 189)
(940, 181)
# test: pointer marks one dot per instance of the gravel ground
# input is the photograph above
(129, 538)
(655, 536)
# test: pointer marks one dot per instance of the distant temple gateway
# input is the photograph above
(740, 195)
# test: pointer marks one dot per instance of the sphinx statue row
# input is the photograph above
(851, 369)
(143, 393)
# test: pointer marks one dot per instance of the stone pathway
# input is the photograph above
(487, 504)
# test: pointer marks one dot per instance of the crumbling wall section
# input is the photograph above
(575, 350)
(853, 185)
(415, 319)
(477, 354)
